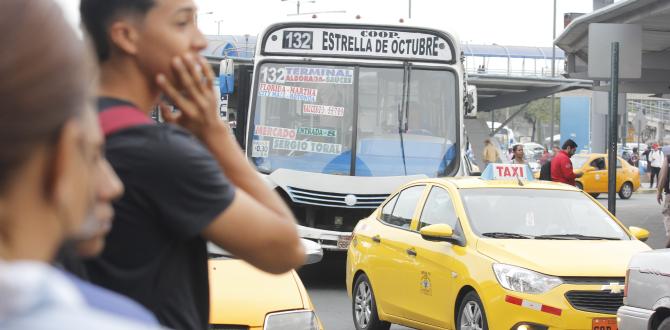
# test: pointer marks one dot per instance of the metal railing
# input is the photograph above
(659, 112)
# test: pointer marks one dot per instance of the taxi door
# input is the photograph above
(389, 264)
(596, 181)
(621, 174)
(431, 282)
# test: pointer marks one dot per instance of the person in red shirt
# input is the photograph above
(561, 166)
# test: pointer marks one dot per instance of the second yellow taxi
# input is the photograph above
(498, 252)
(594, 178)
(244, 297)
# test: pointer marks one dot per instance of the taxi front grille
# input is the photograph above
(604, 302)
(311, 197)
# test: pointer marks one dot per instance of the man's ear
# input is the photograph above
(124, 36)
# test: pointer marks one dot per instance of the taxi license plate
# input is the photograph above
(343, 242)
(604, 324)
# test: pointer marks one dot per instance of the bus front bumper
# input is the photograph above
(328, 239)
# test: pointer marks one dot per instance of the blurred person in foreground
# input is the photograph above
(664, 189)
(186, 182)
(89, 242)
(50, 160)
(655, 161)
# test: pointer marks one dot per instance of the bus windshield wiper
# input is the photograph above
(507, 235)
(577, 237)
(402, 142)
(403, 115)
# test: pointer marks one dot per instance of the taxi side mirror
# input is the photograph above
(639, 233)
(439, 232)
(313, 251)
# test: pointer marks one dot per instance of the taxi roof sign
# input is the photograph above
(507, 172)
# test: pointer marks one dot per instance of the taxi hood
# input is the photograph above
(240, 294)
(564, 257)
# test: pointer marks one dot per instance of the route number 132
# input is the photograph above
(297, 40)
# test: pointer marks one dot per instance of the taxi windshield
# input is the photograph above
(538, 214)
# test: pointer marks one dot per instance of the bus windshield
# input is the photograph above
(354, 120)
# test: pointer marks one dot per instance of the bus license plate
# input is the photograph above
(604, 324)
(343, 242)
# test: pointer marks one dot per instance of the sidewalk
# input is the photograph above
(644, 185)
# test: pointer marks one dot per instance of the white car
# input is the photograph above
(647, 292)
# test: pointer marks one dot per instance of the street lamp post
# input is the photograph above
(297, 4)
(204, 13)
(218, 27)
(410, 9)
(553, 75)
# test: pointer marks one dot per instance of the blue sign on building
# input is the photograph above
(575, 121)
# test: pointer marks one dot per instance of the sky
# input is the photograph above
(505, 22)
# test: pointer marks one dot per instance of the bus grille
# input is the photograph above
(595, 301)
(363, 201)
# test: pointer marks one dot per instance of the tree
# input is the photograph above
(539, 112)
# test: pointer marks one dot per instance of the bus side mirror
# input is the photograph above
(226, 77)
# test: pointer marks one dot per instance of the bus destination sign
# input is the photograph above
(367, 42)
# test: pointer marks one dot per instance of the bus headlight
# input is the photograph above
(293, 320)
(524, 280)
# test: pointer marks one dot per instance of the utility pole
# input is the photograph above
(218, 26)
(553, 75)
(613, 128)
(297, 4)
(410, 9)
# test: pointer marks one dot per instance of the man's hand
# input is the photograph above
(193, 94)
(659, 198)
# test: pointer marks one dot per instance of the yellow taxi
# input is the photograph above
(501, 251)
(594, 180)
(244, 297)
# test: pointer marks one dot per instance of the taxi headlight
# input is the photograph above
(293, 320)
(524, 280)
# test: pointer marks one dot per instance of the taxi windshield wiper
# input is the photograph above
(507, 235)
(577, 237)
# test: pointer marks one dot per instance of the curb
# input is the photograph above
(645, 191)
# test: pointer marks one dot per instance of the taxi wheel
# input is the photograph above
(594, 195)
(626, 190)
(471, 314)
(364, 307)
(579, 185)
(665, 325)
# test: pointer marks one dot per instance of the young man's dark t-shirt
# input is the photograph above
(155, 254)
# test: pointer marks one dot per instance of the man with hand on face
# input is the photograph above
(186, 182)
(561, 166)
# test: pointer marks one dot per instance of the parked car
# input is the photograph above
(647, 292)
(240, 295)
(594, 180)
(533, 151)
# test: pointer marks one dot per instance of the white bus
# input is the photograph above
(342, 114)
